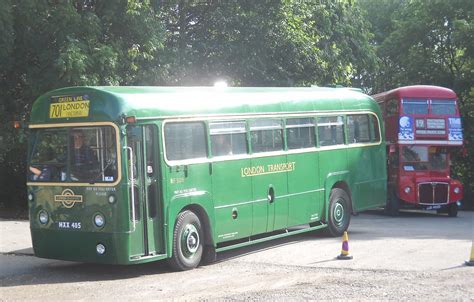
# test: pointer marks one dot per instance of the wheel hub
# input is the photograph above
(190, 239)
(338, 213)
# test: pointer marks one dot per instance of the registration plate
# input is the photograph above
(69, 225)
(433, 207)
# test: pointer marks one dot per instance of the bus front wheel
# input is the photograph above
(453, 210)
(392, 207)
(187, 242)
(339, 212)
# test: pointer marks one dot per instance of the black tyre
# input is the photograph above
(453, 210)
(339, 212)
(393, 204)
(187, 242)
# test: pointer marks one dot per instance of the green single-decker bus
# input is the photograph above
(125, 175)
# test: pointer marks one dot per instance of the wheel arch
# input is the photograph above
(204, 218)
(337, 180)
(199, 204)
(344, 186)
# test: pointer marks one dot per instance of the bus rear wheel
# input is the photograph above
(187, 242)
(339, 212)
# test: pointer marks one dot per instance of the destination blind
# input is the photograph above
(69, 106)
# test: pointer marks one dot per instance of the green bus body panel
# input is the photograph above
(235, 203)
(305, 189)
(232, 195)
(79, 244)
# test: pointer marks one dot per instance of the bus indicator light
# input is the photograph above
(131, 119)
(43, 217)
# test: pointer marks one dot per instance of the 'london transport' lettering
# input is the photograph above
(268, 169)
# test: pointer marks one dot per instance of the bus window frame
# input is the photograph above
(247, 117)
(84, 184)
(447, 101)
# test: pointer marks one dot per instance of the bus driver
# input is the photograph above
(83, 157)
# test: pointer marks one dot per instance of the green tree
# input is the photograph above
(268, 43)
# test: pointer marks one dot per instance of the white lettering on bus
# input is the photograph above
(269, 169)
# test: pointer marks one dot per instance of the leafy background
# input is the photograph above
(376, 45)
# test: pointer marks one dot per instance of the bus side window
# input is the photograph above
(374, 129)
(185, 140)
(300, 133)
(358, 128)
(330, 130)
(228, 138)
(266, 135)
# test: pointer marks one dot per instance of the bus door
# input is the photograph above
(269, 177)
(145, 191)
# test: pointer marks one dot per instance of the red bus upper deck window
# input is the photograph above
(415, 106)
(443, 107)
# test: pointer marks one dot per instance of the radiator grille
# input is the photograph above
(433, 193)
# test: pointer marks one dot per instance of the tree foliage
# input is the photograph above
(266, 43)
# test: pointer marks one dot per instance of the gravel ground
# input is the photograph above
(416, 256)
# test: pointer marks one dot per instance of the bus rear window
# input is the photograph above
(443, 107)
(415, 106)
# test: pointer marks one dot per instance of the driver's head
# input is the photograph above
(78, 137)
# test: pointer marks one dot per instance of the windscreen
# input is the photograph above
(79, 154)
(421, 158)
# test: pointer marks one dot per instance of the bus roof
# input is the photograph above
(417, 91)
(112, 102)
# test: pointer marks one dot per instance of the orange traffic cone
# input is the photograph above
(470, 262)
(345, 248)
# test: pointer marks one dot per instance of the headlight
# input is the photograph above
(43, 217)
(100, 249)
(31, 197)
(112, 198)
(99, 220)
(456, 190)
(407, 190)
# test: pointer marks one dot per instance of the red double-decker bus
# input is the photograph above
(423, 125)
